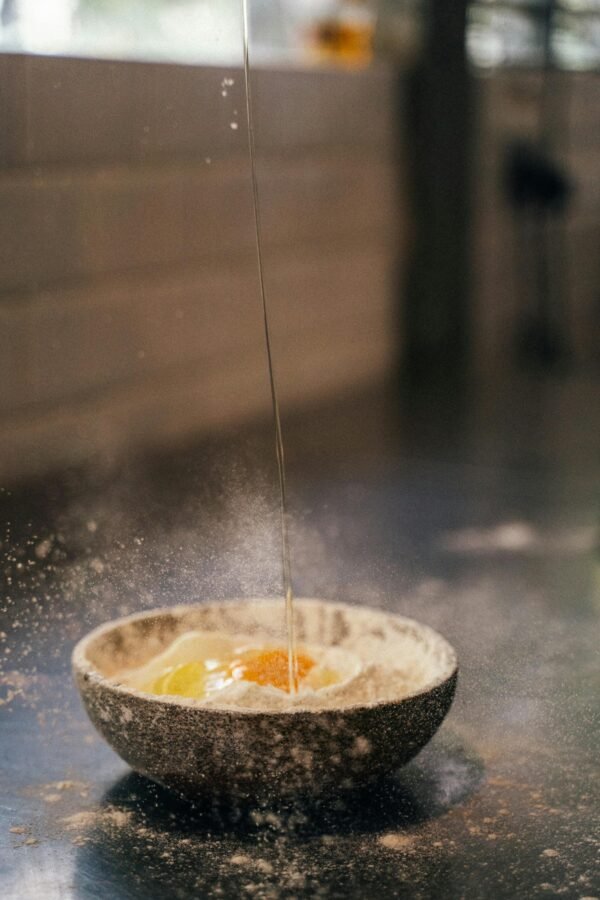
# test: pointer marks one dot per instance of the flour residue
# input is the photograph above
(357, 673)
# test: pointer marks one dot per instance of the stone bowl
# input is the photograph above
(259, 754)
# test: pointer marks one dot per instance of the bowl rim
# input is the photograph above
(81, 665)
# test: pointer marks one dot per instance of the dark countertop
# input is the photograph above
(479, 519)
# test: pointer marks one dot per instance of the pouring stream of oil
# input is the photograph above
(285, 547)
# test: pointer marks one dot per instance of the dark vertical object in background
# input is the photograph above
(435, 301)
(539, 189)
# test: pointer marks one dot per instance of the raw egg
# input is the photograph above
(201, 665)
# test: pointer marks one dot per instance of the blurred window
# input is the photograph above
(189, 31)
(518, 33)
(529, 33)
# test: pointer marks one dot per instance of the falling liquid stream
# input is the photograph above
(285, 547)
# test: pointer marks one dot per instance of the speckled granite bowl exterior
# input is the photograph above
(197, 750)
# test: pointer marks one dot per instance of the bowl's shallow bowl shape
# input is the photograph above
(226, 751)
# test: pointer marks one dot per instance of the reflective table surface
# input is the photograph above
(480, 520)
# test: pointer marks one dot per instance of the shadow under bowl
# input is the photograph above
(254, 754)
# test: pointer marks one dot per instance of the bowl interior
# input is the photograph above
(374, 636)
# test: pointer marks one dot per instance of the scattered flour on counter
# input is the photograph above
(54, 791)
(109, 816)
(242, 859)
(397, 841)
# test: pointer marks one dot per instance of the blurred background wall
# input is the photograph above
(129, 305)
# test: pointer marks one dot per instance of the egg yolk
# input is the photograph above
(269, 667)
(185, 680)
